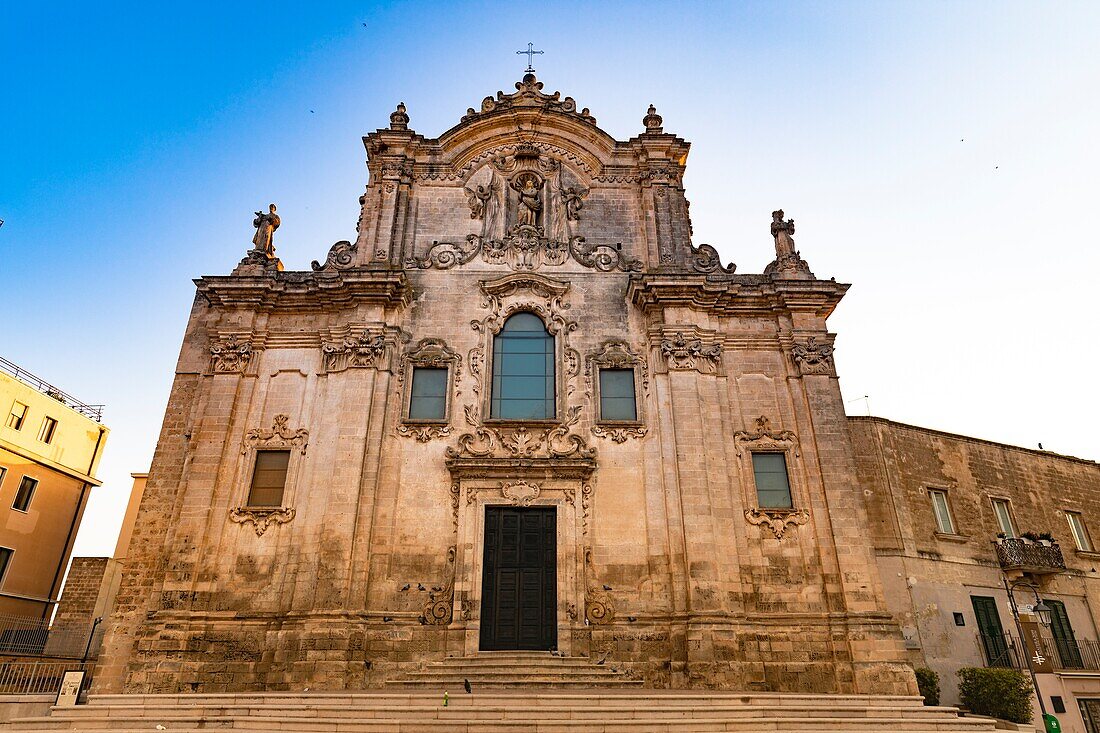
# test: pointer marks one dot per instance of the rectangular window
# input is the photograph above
(429, 394)
(617, 395)
(990, 631)
(26, 491)
(944, 522)
(3, 473)
(17, 416)
(1004, 517)
(45, 434)
(5, 561)
(269, 478)
(1077, 529)
(773, 489)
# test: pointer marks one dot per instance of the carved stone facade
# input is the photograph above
(665, 564)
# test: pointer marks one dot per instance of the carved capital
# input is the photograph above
(681, 352)
(777, 520)
(230, 356)
(813, 358)
(261, 517)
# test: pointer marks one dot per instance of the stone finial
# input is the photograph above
(399, 120)
(652, 121)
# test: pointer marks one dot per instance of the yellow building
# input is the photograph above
(50, 447)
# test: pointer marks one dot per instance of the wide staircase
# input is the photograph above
(525, 692)
(494, 710)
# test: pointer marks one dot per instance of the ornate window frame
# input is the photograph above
(764, 439)
(550, 309)
(431, 353)
(279, 437)
(617, 354)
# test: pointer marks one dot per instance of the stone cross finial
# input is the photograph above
(652, 121)
(399, 120)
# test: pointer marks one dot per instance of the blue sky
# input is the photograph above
(939, 156)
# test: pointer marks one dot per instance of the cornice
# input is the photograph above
(735, 294)
(307, 290)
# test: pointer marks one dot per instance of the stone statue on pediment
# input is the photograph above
(266, 224)
(783, 232)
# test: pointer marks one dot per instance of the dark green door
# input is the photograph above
(1064, 640)
(990, 631)
(519, 587)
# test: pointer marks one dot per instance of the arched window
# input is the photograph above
(523, 370)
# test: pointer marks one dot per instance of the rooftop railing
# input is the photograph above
(95, 412)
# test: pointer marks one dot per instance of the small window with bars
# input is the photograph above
(269, 478)
(23, 496)
(1077, 529)
(945, 523)
(773, 486)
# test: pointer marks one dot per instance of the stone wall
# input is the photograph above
(666, 566)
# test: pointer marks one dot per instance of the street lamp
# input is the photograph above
(1041, 610)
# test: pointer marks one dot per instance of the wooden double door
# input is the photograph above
(519, 585)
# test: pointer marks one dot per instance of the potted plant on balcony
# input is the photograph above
(1001, 537)
(1046, 539)
(1030, 538)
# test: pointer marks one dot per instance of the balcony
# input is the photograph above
(1065, 654)
(1021, 556)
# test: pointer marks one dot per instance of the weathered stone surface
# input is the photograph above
(378, 568)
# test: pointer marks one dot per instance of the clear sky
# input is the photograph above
(940, 156)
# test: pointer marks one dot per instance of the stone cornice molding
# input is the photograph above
(734, 294)
(308, 291)
(530, 469)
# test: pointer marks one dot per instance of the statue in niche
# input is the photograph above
(530, 201)
(784, 241)
(265, 224)
(484, 195)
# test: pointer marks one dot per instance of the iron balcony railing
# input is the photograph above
(95, 412)
(1029, 557)
(1005, 650)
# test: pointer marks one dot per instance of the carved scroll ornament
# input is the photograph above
(261, 517)
(704, 258)
(777, 520)
(341, 256)
(439, 611)
(599, 608)
(279, 436)
(763, 437)
(230, 356)
(526, 248)
(520, 442)
(684, 353)
(812, 357)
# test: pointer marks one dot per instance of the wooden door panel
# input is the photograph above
(519, 588)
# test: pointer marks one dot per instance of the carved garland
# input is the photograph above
(777, 520)
(261, 517)
(230, 356)
(525, 249)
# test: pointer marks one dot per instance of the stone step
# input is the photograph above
(532, 710)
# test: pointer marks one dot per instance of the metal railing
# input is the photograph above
(1005, 650)
(36, 678)
(1014, 553)
(95, 412)
(34, 637)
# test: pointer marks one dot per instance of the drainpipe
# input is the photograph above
(72, 525)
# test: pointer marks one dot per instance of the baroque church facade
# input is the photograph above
(521, 412)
